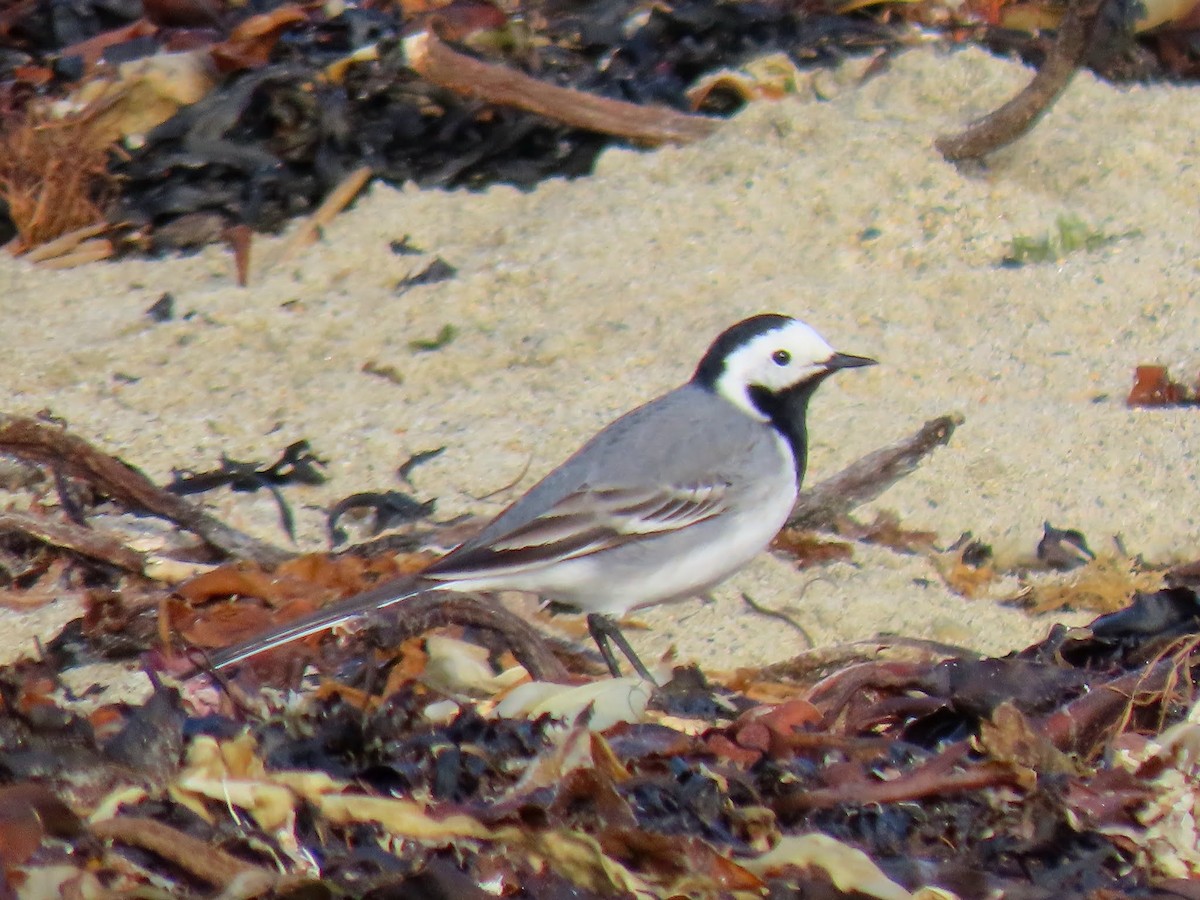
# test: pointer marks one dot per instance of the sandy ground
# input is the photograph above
(581, 299)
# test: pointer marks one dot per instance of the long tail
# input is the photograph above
(360, 605)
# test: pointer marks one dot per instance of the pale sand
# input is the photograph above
(581, 299)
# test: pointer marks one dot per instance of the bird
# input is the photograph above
(663, 504)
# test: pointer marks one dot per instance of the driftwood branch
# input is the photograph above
(434, 61)
(38, 441)
(823, 504)
(1018, 116)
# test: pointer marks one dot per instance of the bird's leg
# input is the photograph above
(604, 629)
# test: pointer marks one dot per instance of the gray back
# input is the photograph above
(690, 435)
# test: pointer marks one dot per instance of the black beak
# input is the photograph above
(846, 361)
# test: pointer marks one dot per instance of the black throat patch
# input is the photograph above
(788, 412)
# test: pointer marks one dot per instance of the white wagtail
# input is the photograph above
(663, 504)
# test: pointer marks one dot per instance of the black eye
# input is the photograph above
(781, 357)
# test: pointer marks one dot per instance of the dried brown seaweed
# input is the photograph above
(54, 175)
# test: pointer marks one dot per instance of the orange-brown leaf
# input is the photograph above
(28, 812)
(228, 623)
(249, 45)
(1152, 386)
(229, 581)
(808, 550)
(92, 49)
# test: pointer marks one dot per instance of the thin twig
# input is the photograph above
(496, 492)
(78, 539)
(43, 442)
(198, 858)
(240, 238)
(339, 198)
(66, 243)
(430, 58)
(919, 784)
(822, 505)
(811, 666)
(1018, 116)
(780, 615)
(87, 252)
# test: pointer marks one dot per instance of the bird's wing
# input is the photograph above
(587, 521)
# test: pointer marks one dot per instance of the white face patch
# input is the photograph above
(775, 360)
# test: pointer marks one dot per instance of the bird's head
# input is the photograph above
(769, 365)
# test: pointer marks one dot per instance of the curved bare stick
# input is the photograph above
(934, 779)
(1016, 117)
(426, 611)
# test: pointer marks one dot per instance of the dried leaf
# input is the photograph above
(964, 569)
(240, 580)
(183, 13)
(28, 813)
(402, 818)
(224, 624)
(232, 774)
(723, 748)
(249, 45)
(92, 49)
(608, 701)
(144, 93)
(461, 668)
(691, 867)
(848, 868)
(770, 77)
(580, 858)
(1008, 737)
(1153, 387)
(1168, 841)
(808, 550)
(886, 531)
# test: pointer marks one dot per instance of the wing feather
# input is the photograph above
(584, 522)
